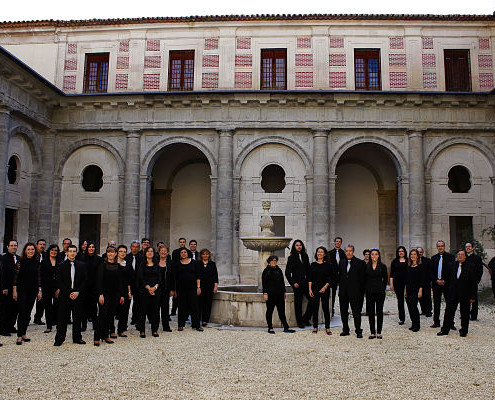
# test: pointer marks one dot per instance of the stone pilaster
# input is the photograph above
(225, 205)
(417, 192)
(131, 187)
(45, 197)
(321, 207)
(4, 155)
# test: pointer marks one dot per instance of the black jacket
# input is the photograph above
(297, 271)
(63, 279)
(351, 283)
(375, 279)
(476, 261)
(8, 271)
(208, 275)
(464, 287)
(447, 259)
(176, 254)
(333, 261)
(273, 281)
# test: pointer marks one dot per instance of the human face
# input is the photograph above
(30, 250)
(338, 244)
(367, 256)
(183, 254)
(374, 256)
(420, 251)
(461, 256)
(320, 254)
(91, 249)
(273, 263)
(65, 244)
(84, 245)
(111, 255)
(441, 247)
(402, 253)
(414, 256)
(122, 253)
(149, 254)
(298, 246)
(41, 246)
(193, 246)
(53, 252)
(12, 247)
(469, 248)
(182, 243)
(71, 253)
(145, 243)
(163, 252)
(349, 252)
(205, 256)
(134, 248)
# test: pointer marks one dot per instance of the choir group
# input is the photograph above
(76, 286)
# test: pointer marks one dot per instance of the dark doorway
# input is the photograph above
(89, 228)
(10, 227)
(461, 231)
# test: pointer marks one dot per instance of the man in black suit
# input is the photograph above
(62, 256)
(70, 279)
(176, 252)
(462, 292)
(439, 275)
(425, 300)
(476, 261)
(134, 260)
(351, 282)
(9, 306)
(40, 304)
(193, 248)
(335, 255)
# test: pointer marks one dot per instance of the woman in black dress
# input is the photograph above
(122, 308)
(149, 285)
(49, 287)
(321, 277)
(27, 287)
(209, 285)
(82, 253)
(414, 288)
(92, 261)
(166, 277)
(376, 279)
(111, 292)
(296, 272)
(398, 272)
(188, 287)
(273, 283)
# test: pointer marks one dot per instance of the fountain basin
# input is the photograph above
(265, 244)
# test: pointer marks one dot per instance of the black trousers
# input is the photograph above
(299, 294)
(187, 300)
(40, 309)
(106, 315)
(399, 293)
(412, 306)
(374, 305)
(205, 301)
(26, 297)
(438, 291)
(450, 309)
(51, 306)
(65, 307)
(149, 307)
(175, 305)
(356, 307)
(324, 298)
(9, 312)
(90, 307)
(474, 306)
(279, 302)
(334, 293)
(164, 307)
(425, 301)
(123, 315)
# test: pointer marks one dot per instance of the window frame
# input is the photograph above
(451, 74)
(99, 58)
(182, 55)
(276, 53)
(368, 53)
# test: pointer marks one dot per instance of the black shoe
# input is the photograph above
(344, 333)
(271, 331)
(80, 341)
(155, 334)
(359, 335)
(462, 334)
(401, 322)
(288, 330)
(57, 344)
(453, 328)
(301, 326)
(411, 328)
(172, 314)
(38, 322)
(435, 325)
(442, 333)
(18, 343)
(473, 319)
(167, 329)
(429, 315)
(1, 344)
(415, 329)
(26, 340)
(204, 324)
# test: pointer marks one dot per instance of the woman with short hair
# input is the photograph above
(209, 285)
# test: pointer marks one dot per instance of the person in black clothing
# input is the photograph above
(62, 256)
(398, 272)
(476, 261)
(135, 259)
(27, 286)
(319, 282)
(40, 304)
(188, 288)
(463, 285)
(425, 301)
(491, 271)
(193, 248)
(415, 278)
(351, 275)
(273, 284)
(296, 272)
(149, 285)
(71, 282)
(111, 291)
(82, 253)
(175, 261)
(90, 300)
(335, 256)
(438, 277)
(166, 277)
(9, 306)
(376, 279)
(123, 308)
(209, 285)
(49, 287)
(366, 256)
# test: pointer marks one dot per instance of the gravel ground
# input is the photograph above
(250, 364)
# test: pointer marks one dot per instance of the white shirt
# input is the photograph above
(337, 256)
(348, 265)
(440, 267)
(72, 274)
(459, 270)
(134, 262)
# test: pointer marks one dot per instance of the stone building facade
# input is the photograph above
(407, 161)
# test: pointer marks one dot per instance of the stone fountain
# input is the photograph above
(242, 305)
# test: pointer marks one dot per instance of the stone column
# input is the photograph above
(417, 192)
(45, 198)
(131, 187)
(4, 155)
(225, 205)
(321, 207)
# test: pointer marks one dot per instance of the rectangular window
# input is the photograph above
(273, 69)
(90, 228)
(96, 73)
(461, 230)
(457, 71)
(181, 70)
(367, 69)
